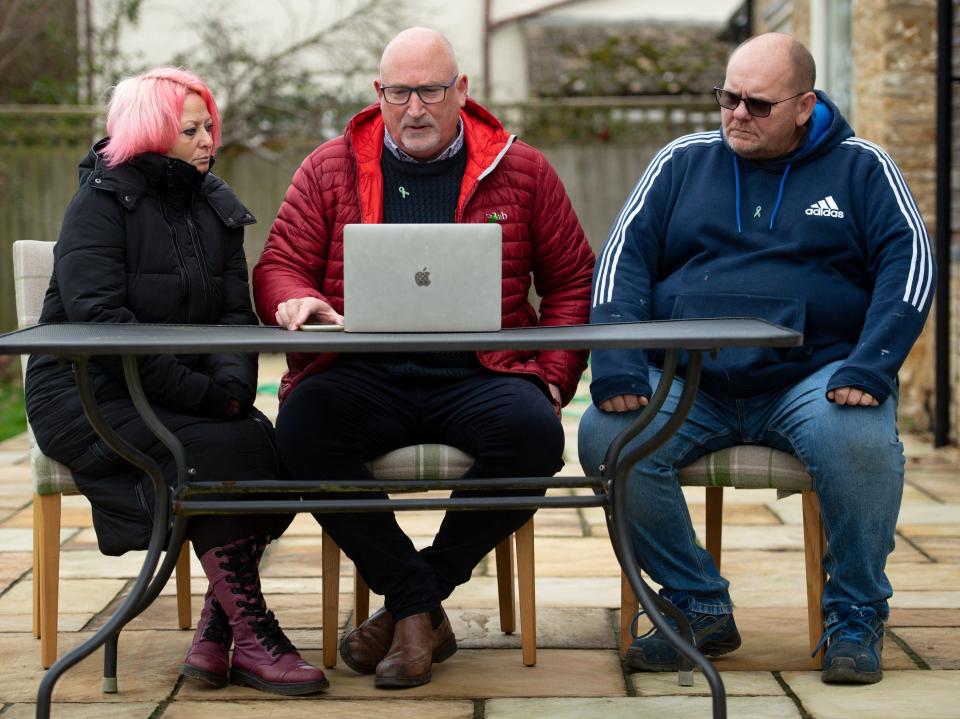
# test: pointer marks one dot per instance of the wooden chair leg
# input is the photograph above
(36, 565)
(714, 507)
(330, 566)
(361, 599)
(508, 612)
(49, 576)
(629, 604)
(184, 609)
(814, 543)
(528, 603)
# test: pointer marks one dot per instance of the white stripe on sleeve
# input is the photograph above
(610, 257)
(920, 277)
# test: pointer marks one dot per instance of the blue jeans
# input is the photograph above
(853, 453)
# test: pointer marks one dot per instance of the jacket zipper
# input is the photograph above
(490, 168)
(181, 264)
(141, 497)
(201, 263)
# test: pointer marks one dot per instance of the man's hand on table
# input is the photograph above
(624, 403)
(296, 312)
(852, 397)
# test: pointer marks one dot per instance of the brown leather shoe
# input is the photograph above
(416, 646)
(364, 647)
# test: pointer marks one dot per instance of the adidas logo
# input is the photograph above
(825, 208)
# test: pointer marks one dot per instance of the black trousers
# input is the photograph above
(334, 422)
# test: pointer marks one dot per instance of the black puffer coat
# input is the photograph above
(151, 241)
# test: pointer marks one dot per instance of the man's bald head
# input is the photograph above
(418, 46)
(778, 47)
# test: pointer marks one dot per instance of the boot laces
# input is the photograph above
(244, 580)
(271, 636)
(244, 577)
(860, 626)
(218, 626)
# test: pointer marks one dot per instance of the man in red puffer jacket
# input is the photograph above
(426, 153)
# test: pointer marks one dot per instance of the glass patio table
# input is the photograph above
(683, 341)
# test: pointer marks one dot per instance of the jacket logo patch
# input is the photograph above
(496, 216)
(826, 207)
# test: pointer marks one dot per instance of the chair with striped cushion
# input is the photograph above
(752, 467)
(32, 267)
(425, 462)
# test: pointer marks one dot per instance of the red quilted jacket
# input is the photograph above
(505, 180)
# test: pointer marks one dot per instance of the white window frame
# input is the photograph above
(832, 50)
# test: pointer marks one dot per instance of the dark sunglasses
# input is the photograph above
(756, 108)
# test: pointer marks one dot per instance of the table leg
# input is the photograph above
(616, 470)
(133, 604)
(159, 581)
(110, 649)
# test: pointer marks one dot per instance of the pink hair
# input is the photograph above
(144, 111)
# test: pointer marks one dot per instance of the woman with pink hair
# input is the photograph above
(152, 236)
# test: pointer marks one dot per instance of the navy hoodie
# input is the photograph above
(826, 240)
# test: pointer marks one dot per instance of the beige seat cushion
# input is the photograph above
(421, 461)
(748, 467)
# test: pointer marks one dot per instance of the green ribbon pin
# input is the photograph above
(403, 193)
(756, 212)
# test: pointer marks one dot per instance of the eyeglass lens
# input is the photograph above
(731, 101)
(428, 94)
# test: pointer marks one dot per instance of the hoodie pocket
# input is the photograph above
(737, 364)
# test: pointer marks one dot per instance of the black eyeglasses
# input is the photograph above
(757, 108)
(428, 94)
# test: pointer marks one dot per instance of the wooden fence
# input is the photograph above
(599, 148)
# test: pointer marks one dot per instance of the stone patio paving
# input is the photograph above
(578, 673)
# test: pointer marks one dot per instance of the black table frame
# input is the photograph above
(684, 342)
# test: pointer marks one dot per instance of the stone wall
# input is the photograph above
(894, 90)
(895, 55)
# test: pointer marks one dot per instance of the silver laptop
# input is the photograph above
(422, 278)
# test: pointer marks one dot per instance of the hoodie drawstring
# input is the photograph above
(783, 181)
(736, 184)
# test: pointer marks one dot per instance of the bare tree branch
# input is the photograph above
(267, 95)
(21, 23)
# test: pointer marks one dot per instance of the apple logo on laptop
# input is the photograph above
(422, 278)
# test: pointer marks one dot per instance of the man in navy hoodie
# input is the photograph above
(786, 215)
